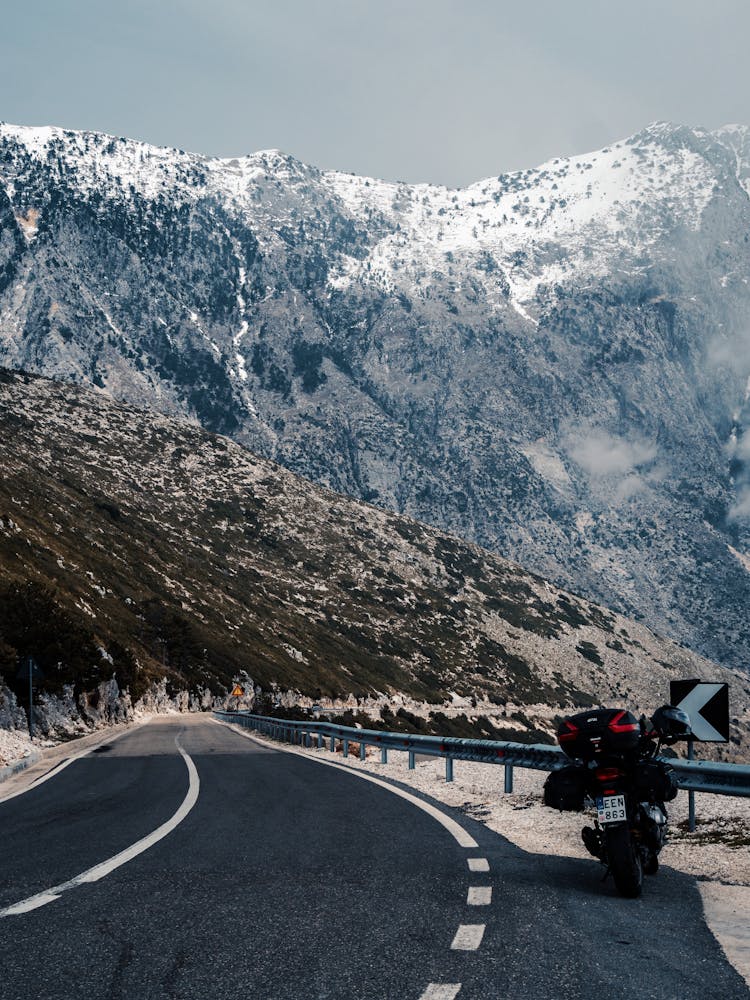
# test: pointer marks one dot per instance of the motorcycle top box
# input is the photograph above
(601, 731)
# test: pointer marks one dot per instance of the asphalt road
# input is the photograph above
(289, 880)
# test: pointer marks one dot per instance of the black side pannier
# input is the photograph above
(566, 789)
(588, 735)
(655, 780)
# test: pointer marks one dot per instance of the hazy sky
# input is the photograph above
(412, 90)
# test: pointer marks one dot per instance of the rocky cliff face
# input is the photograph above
(552, 363)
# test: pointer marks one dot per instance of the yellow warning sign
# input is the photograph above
(237, 691)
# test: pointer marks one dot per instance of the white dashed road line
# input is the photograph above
(105, 867)
(468, 937)
(479, 895)
(441, 991)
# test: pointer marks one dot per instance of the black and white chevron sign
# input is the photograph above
(707, 705)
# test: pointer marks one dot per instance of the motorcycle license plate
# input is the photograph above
(611, 808)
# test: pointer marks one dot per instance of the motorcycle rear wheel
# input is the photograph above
(624, 861)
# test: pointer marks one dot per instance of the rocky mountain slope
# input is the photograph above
(552, 363)
(139, 546)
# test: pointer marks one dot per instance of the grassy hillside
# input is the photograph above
(141, 546)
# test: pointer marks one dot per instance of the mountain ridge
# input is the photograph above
(553, 363)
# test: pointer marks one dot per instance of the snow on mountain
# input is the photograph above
(553, 363)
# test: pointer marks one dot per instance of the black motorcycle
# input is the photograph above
(615, 766)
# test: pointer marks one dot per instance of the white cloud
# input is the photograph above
(602, 455)
(729, 350)
(629, 487)
(739, 448)
(740, 510)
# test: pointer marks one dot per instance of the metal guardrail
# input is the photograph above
(697, 776)
(711, 776)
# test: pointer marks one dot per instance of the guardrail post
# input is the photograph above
(362, 751)
(320, 741)
(333, 744)
(449, 769)
(384, 755)
(411, 760)
(345, 748)
(508, 778)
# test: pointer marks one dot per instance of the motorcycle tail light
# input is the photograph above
(615, 726)
(568, 732)
(608, 774)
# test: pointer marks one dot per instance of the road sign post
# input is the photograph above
(691, 793)
(31, 671)
(707, 706)
(237, 692)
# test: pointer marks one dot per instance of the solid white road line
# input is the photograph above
(468, 937)
(456, 831)
(479, 895)
(105, 867)
(441, 991)
(54, 771)
(478, 864)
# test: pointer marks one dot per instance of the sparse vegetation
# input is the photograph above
(137, 547)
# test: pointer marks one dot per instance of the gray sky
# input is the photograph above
(413, 90)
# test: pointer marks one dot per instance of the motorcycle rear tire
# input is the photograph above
(624, 861)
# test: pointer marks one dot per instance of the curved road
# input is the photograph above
(289, 880)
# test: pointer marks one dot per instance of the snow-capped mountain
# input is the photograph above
(553, 363)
